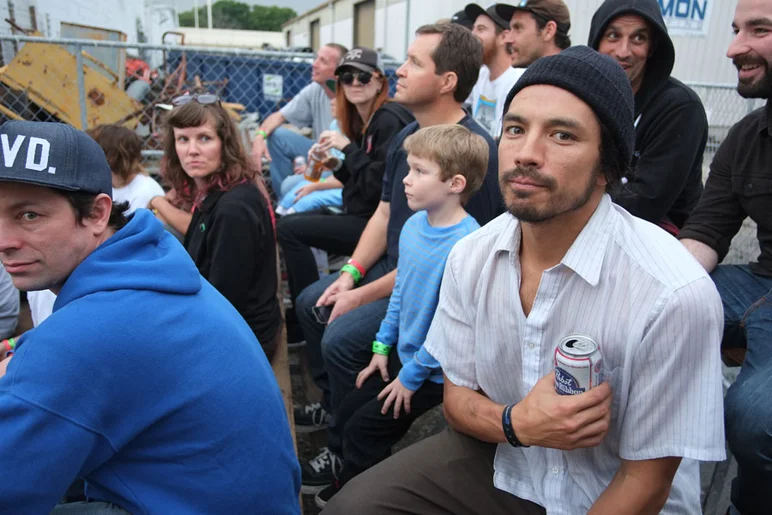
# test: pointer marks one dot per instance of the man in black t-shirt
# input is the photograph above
(442, 66)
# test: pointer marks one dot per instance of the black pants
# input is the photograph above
(297, 233)
(368, 435)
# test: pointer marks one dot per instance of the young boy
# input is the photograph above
(447, 166)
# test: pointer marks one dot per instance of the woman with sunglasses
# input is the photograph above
(368, 121)
(231, 235)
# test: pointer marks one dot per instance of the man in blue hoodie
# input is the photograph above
(144, 381)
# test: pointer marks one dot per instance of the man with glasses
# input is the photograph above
(310, 108)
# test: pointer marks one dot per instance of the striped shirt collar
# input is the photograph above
(586, 254)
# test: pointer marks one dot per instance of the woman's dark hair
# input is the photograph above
(350, 122)
(83, 205)
(235, 166)
(613, 163)
(123, 149)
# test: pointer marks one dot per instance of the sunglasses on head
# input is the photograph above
(204, 99)
(364, 78)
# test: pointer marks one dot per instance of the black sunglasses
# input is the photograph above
(204, 98)
(364, 78)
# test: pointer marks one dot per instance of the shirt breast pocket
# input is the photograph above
(755, 194)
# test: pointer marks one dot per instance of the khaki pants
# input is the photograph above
(447, 473)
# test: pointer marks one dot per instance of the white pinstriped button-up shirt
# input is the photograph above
(650, 306)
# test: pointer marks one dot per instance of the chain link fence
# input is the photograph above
(87, 83)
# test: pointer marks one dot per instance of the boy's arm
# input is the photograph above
(388, 334)
(417, 370)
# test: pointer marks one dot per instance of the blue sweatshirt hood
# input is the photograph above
(154, 253)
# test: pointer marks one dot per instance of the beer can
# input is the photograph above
(578, 365)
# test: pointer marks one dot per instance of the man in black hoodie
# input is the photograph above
(671, 126)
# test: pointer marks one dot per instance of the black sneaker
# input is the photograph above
(319, 472)
(311, 418)
(323, 497)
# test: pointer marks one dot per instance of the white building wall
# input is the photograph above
(698, 58)
(120, 15)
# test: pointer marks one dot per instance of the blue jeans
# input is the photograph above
(747, 300)
(338, 351)
(88, 508)
(284, 146)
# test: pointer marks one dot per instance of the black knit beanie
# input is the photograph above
(595, 78)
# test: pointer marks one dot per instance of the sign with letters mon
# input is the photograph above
(686, 17)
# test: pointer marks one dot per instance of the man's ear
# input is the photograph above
(457, 184)
(100, 214)
(449, 83)
(549, 31)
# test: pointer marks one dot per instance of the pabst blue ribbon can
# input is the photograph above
(578, 365)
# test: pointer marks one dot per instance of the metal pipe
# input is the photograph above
(385, 26)
(81, 87)
(407, 27)
(209, 13)
(332, 21)
(195, 13)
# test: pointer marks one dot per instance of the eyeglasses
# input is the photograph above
(204, 99)
(364, 78)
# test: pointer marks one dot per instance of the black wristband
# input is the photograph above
(509, 431)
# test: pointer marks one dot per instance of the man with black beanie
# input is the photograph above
(564, 265)
(671, 127)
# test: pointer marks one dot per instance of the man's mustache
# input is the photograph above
(750, 60)
(527, 172)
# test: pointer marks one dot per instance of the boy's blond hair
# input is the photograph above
(456, 150)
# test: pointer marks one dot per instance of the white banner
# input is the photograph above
(273, 87)
(687, 17)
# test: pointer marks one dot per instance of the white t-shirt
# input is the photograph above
(138, 192)
(487, 98)
(41, 304)
(309, 108)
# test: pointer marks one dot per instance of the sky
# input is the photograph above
(300, 6)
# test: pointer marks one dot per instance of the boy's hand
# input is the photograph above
(379, 362)
(397, 393)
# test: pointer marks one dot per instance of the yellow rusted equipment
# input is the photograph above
(48, 74)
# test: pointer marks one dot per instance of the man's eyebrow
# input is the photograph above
(552, 122)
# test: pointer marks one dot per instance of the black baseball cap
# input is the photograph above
(473, 11)
(55, 155)
(361, 58)
(460, 18)
(548, 10)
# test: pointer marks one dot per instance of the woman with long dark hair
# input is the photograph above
(231, 235)
(368, 121)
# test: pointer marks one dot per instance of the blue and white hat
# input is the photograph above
(55, 155)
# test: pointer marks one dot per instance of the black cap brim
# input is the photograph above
(473, 11)
(358, 66)
(506, 11)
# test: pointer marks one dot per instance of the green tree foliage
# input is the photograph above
(228, 14)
